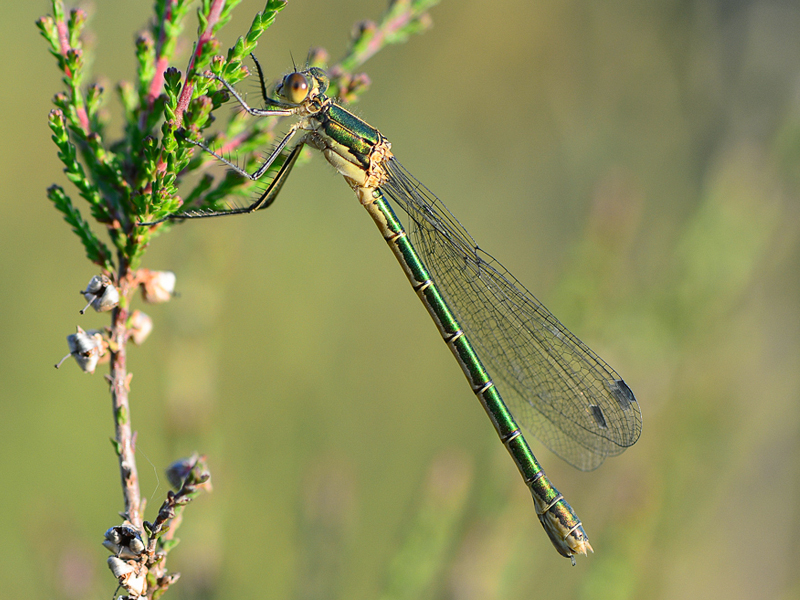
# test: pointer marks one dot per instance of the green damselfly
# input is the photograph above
(556, 386)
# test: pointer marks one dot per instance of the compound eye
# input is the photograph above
(295, 88)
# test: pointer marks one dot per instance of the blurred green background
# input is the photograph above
(636, 165)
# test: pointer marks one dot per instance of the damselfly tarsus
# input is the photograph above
(557, 387)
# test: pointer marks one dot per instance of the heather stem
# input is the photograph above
(162, 62)
(63, 40)
(120, 386)
(214, 13)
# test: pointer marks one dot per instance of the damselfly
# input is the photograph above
(555, 385)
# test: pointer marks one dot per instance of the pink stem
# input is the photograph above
(63, 42)
(186, 93)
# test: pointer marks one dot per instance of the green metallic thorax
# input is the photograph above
(347, 134)
(349, 130)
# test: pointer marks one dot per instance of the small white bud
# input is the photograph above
(119, 567)
(136, 585)
(136, 545)
(126, 573)
(113, 535)
(112, 547)
(157, 286)
(139, 327)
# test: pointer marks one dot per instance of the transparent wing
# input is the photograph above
(557, 388)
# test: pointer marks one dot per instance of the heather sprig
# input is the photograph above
(139, 178)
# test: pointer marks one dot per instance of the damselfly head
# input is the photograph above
(297, 87)
(294, 88)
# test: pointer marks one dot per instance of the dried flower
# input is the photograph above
(131, 575)
(124, 542)
(101, 294)
(193, 467)
(86, 347)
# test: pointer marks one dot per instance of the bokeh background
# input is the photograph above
(637, 165)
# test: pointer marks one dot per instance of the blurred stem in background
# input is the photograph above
(141, 174)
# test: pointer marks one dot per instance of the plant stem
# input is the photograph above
(120, 386)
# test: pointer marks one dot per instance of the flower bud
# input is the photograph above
(139, 327)
(157, 286)
(126, 573)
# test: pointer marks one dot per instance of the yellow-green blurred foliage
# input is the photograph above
(635, 164)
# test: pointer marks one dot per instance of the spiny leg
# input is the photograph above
(267, 99)
(263, 201)
(266, 198)
(255, 112)
(264, 167)
(269, 195)
(282, 110)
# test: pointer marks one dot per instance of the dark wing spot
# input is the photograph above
(597, 413)
(622, 394)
